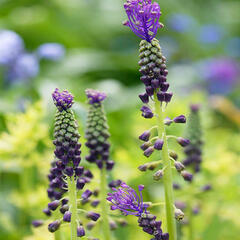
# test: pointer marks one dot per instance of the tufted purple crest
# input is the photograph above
(95, 96)
(127, 200)
(63, 100)
(143, 18)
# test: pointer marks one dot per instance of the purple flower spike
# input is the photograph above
(95, 96)
(143, 18)
(127, 200)
(62, 100)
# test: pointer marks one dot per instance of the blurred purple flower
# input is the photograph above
(24, 67)
(95, 96)
(11, 46)
(210, 34)
(51, 51)
(221, 75)
(143, 18)
(180, 22)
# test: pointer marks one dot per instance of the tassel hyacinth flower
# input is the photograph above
(129, 202)
(97, 135)
(193, 160)
(143, 17)
(66, 178)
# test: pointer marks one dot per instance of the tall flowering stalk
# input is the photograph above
(97, 135)
(193, 161)
(129, 202)
(67, 177)
(143, 19)
(193, 151)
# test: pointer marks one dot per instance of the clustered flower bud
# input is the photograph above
(153, 74)
(150, 225)
(129, 202)
(97, 133)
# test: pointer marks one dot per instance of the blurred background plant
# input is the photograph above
(201, 41)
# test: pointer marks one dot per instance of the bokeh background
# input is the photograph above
(92, 49)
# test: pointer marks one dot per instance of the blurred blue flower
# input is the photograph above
(180, 22)
(25, 66)
(11, 46)
(210, 34)
(233, 47)
(220, 74)
(51, 51)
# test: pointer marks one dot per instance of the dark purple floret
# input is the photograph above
(168, 97)
(158, 145)
(146, 112)
(148, 152)
(180, 119)
(62, 100)
(143, 18)
(67, 216)
(206, 187)
(144, 97)
(110, 164)
(47, 211)
(115, 183)
(95, 96)
(93, 216)
(86, 194)
(187, 176)
(64, 208)
(69, 171)
(37, 223)
(80, 183)
(182, 141)
(179, 166)
(145, 136)
(53, 205)
(80, 231)
(79, 171)
(95, 203)
(127, 200)
(53, 227)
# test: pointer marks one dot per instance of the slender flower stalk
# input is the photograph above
(167, 178)
(97, 141)
(143, 19)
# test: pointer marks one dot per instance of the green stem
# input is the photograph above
(58, 235)
(167, 177)
(73, 206)
(190, 224)
(104, 206)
